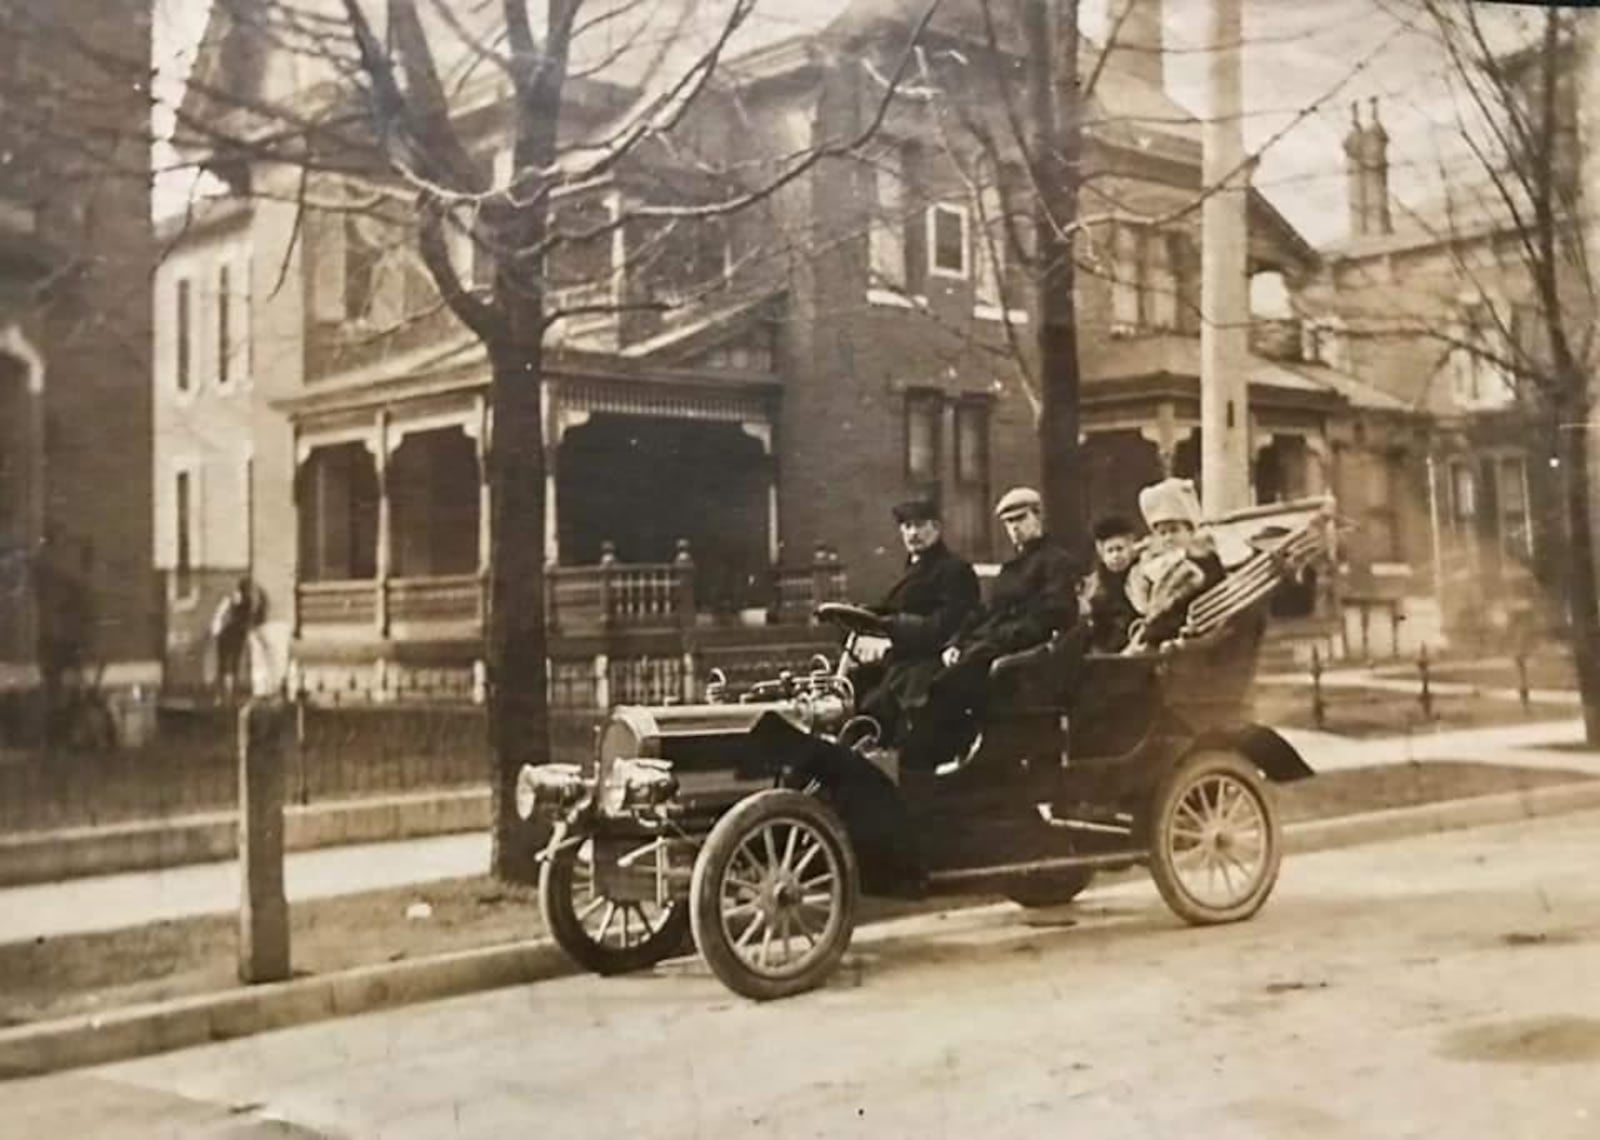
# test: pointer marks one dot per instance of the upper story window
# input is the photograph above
(1479, 375)
(948, 241)
(224, 324)
(184, 332)
(1145, 279)
(887, 228)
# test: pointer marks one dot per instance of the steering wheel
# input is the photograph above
(853, 619)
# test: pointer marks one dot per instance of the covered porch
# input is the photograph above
(660, 510)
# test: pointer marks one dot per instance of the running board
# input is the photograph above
(1122, 826)
(1117, 860)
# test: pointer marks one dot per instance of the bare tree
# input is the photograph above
(1511, 292)
(388, 116)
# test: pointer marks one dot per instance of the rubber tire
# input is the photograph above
(1055, 888)
(1168, 794)
(705, 894)
(561, 920)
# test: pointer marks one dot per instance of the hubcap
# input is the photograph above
(613, 924)
(781, 897)
(1218, 839)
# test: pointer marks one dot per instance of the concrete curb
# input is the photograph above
(212, 837)
(32, 1050)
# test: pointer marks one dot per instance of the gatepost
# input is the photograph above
(264, 728)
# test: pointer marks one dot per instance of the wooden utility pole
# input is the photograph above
(1224, 277)
(1051, 30)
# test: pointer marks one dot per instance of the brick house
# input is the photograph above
(75, 254)
(847, 341)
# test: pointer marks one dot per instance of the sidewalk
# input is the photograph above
(115, 901)
(111, 902)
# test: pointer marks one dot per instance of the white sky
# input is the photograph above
(1296, 53)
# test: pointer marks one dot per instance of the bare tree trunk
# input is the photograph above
(519, 715)
(1051, 28)
(1583, 609)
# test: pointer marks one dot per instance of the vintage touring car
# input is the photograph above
(749, 823)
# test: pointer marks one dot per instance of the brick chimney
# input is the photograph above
(1366, 150)
(1137, 48)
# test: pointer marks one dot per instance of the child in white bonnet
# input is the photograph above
(1179, 562)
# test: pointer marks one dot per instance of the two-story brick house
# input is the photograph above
(858, 334)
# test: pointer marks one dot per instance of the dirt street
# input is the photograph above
(1444, 987)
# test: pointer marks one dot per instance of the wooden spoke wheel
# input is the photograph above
(606, 935)
(774, 893)
(1215, 840)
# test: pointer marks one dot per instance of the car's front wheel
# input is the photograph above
(600, 932)
(773, 897)
(1215, 840)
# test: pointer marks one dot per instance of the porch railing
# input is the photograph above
(579, 600)
(450, 601)
(337, 603)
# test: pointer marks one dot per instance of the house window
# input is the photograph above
(361, 271)
(1145, 279)
(1125, 278)
(1516, 532)
(1479, 379)
(887, 235)
(1160, 309)
(967, 509)
(947, 241)
(1463, 495)
(185, 331)
(224, 329)
(183, 533)
(922, 441)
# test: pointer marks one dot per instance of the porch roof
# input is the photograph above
(460, 367)
(1170, 365)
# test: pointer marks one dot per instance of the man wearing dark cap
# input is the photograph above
(923, 610)
(1033, 597)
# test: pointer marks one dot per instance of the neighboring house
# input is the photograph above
(1434, 306)
(847, 342)
(204, 433)
(75, 256)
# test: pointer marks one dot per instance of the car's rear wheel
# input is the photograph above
(600, 932)
(773, 897)
(1215, 840)
(1052, 888)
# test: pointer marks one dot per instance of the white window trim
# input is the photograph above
(895, 299)
(932, 227)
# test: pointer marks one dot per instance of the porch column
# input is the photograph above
(1317, 465)
(1166, 435)
(381, 466)
(761, 431)
(480, 411)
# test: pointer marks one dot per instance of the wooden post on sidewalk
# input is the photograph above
(1427, 687)
(264, 732)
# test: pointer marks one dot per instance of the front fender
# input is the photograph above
(888, 847)
(1278, 760)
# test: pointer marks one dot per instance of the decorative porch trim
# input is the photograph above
(670, 401)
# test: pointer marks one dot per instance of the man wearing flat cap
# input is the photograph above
(923, 611)
(1033, 597)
